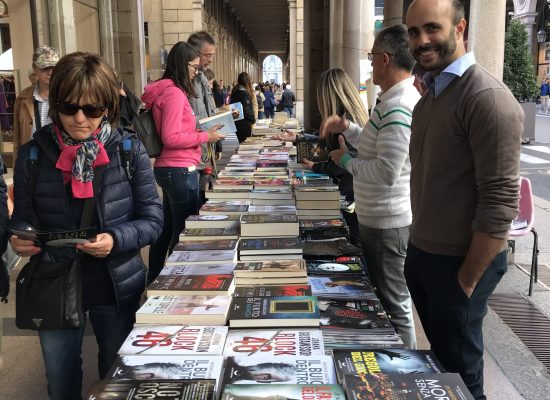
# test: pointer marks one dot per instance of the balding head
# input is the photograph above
(436, 33)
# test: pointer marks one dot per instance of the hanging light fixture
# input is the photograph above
(541, 34)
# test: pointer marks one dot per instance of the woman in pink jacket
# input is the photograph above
(175, 169)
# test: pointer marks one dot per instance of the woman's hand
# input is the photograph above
(101, 248)
(24, 247)
(308, 163)
(286, 136)
(214, 135)
(333, 124)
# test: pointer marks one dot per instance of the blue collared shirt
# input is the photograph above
(456, 69)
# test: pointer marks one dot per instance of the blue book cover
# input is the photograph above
(237, 107)
(224, 118)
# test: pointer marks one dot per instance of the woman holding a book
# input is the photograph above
(244, 94)
(74, 170)
(176, 167)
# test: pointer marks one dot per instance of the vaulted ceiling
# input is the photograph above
(266, 22)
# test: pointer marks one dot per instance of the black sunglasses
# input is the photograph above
(89, 110)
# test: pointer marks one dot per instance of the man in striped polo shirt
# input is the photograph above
(381, 174)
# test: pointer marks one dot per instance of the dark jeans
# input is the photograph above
(452, 321)
(269, 112)
(385, 251)
(289, 111)
(61, 349)
(180, 199)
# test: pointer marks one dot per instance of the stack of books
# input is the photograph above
(274, 272)
(270, 249)
(314, 200)
(219, 251)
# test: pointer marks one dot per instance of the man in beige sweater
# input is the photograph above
(464, 151)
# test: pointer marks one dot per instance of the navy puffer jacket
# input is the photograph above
(130, 211)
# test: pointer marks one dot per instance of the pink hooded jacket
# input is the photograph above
(175, 123)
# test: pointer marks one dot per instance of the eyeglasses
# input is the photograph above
(195, 67)
(89, 110)
(208, 56)
(370, 56)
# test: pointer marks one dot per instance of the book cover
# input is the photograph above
(173, 340)
(274, 343)
(352, 266)
(201, 257)
(342, 316)
(161, 389)
(182, 285)
(340, 287)
(274, 268)
(326, 223)
(305, 150)
(249, 280)
(269, 219)
(149, 367)
(290, 370)
(331, 247)
(191, 310)
(406, 387)
(272, 209)
(223, 209)
(272, 291)
(206, 244)
(384, 361)
(282, 392)
(274, 311)
(205, 269)
(212, 221)
(237, 111)
(199, 234)
(224, 118)
(271, 246)
(271, 194)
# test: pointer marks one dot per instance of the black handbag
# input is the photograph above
(145, 127)
(48, 296)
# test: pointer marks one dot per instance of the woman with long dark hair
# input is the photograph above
(244, 94)
(176, 167)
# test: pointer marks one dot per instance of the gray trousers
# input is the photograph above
(385, 251)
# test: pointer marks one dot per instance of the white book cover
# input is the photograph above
(274, 343)
(206, 269)
(292, 369)
(169, 340)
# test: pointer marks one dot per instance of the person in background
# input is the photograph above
(545, 96)
(465, 156)
(176, 167)
(31, 110)
(244, 94)
(218, 94)
(83, 135)
(381, 174)
(269, 102)
(288, 99)
(260, 98)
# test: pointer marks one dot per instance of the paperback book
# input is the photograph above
(224, 118)
(143, 367)
(272, 291)
(290, 370)
(201, 257)
(190, 310)
(282, 392)
(205, 269)
(385, 361)
(182, 285)
(340, 287)
(291, 245)
(274, 343)
(344, 266)
(275, 224)
(223, 209)
(175, 340)
(274, 312)
(206, 245)
(330, 247)
(341, 316)
(212, 221)
(161, 389)
(406, 387)
(199, 234)
(275, 268)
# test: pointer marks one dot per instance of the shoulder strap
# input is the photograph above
(128, 156)
(37, 119)
(33, 166)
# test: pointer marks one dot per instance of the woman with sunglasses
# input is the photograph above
(82, 141)
(176, 167)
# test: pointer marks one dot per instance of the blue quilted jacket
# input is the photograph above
(130, 211)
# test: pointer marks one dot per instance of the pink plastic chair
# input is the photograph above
(527, 214)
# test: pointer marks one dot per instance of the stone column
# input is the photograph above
(336, 33)
(358, 35)
(293, 44)
(393, 12)
(487, 20)
(106, 31)
(138, 46)
(63, 34)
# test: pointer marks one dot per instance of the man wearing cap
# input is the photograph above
(31, 111)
